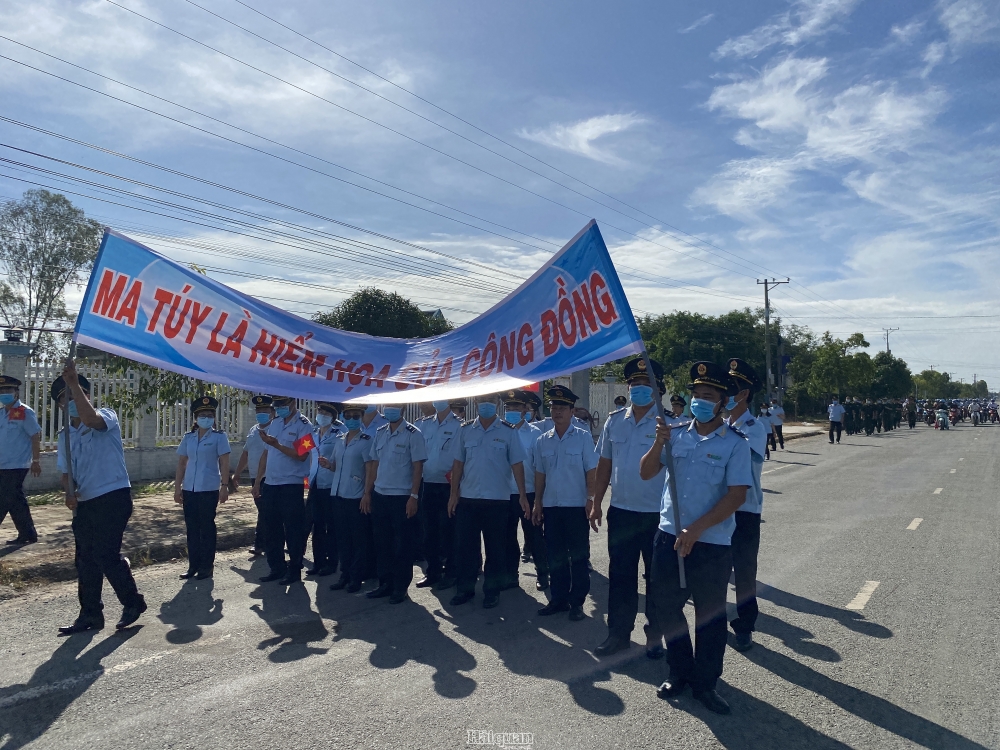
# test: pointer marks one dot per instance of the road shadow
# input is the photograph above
(853, 620)
(288, 612)
(28, 710)
(864, 705)
(796, 638)
(192, 607)
(803, 453)
(771, 492)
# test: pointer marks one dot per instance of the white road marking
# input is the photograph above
(953, 471)
(771, 471)
(858, 603)
(961, 459)
(913, 524)
(938, 490)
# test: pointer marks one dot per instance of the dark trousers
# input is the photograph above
(13, 501)
(98, 527)
(771, 442)
(777, 433)
(258, 536)
(707, 569)
(534, 542)
(835, 426)
(353, 531)
(394, 536)
(746, 544)
(323, 529)
(284, 523)
(199, 519)
(630, 537)
(512, 550)
(567, 542)
(439, 530)
(485, 518)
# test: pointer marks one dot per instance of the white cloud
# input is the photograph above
(969, 22)
(580, 137)
(906, 34)
(744, 186)
(697, 24)
(933, 55)
(805, 20)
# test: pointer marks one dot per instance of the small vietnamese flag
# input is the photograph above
(304, 444)
(16, 413)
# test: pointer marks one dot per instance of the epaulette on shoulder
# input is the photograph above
(739, 432)
(749, 423)
(505, 423)
(304, 418)
(382, 427)
(468, 422)
(412, 428)
(364, 436)
(617, 411)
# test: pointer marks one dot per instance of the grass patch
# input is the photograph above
(56, 497)
(12, 578)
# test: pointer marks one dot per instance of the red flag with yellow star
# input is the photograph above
(16, 413)
(304, 444)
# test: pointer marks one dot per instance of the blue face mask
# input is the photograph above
(487, 410)
(7, 398)
(283, 411)
(371, 408)
(353, 424)
(702, 410)
(392, 413)
(731, 403)
(514, 417)
(206, 423)
(439, 405)
(262, 419)
(73, 411)
(641, 395)
(324, 420)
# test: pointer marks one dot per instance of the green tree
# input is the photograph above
(892, 377)
(379, 313)
(46, 244)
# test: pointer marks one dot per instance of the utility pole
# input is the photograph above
(887, 332)
(768, 284)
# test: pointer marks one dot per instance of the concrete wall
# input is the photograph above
(144, 465)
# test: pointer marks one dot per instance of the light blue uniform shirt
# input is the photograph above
(441, 439)
(396, 452)
(98, 457)
(565, 462)
(624, 442)
(547, 424)
(372, 428)
(349, 469)
(706, 467)
(487, 455)
(255, 448)
(528, 433)
(15, 437)
(325, 444)
(282, 469)
(202, 471)
(756, 433)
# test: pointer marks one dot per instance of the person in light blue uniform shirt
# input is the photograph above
(489, 451)
(371, 420)
(746, 536)
(352, 468)
(101, 500)
(712, 469)
(392, 497)
(253, 449)
(199, 487)
(565, 469)
(634, 515)
(319, 505)
(20, 451)
(517, 404)
(281, 476)
(440, 431)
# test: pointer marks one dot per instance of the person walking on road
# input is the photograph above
(20, 451)
(836, 412)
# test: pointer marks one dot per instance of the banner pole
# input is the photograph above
(671, 478)
(66, 425)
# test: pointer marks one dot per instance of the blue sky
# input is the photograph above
(851, 145)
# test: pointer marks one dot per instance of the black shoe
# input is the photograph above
(380, 592)
(542, 583)
(398, 597)
(654, 652)
(671, 689)
(612, 645)
(743, 641)
(326, 570)
(343, 583)
(445, 583)
(272, 576)
(292, 576)
(255, 553)
(131, 614)
(201, 575)
(189, 574)
(427, 581)
(353, 588)
(490, 601)
(713, 702)
(81, 626)
(461, 598)
(22, 540)
(312, 571)
(552, 608)
(576, 614)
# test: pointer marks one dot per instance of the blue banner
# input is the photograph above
(570, 315)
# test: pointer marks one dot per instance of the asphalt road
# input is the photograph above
(236, 664)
